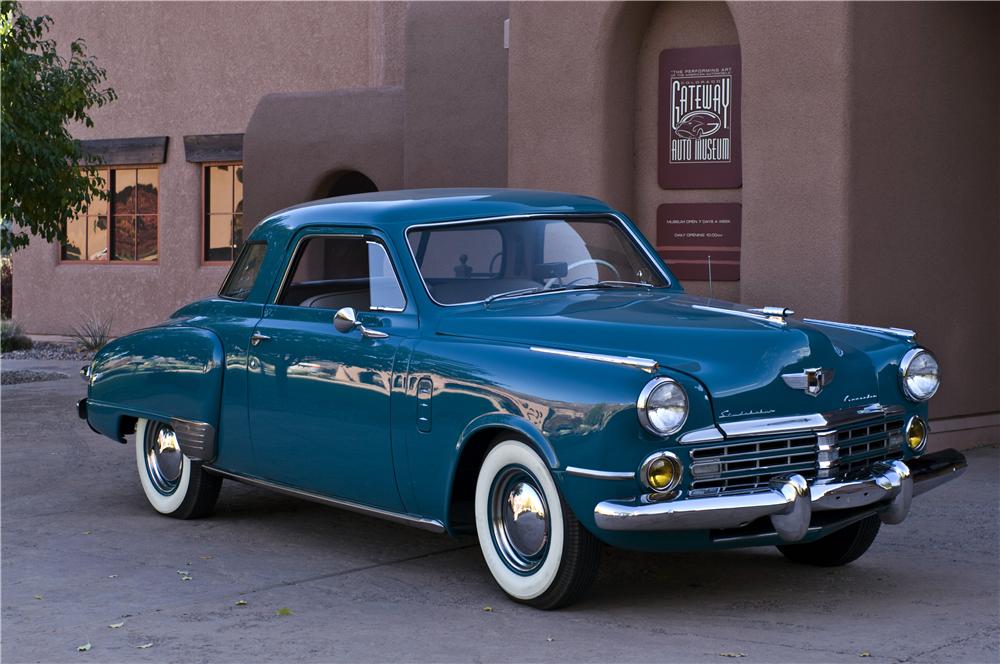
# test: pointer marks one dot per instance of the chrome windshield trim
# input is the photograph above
(599, 474)
(654, 260)
(637, 362)
(813, 421)
(743, 314)
(433, 525)
(894, 331)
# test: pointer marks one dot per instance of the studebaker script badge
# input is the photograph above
(811, 381)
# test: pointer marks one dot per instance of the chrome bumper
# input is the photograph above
(790, 501)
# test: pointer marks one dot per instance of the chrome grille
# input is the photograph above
(861, 446)
(746, 465)
(749, 465)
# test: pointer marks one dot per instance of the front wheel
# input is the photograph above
(174, 484)
(839, 548)
(537, 551)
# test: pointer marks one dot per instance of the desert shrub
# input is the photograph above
(12, 337)
(93, 333)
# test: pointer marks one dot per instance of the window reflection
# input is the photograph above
(223, 211)
(129, 237)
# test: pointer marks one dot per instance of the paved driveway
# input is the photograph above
(81, 550)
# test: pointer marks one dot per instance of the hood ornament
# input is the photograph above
(811, 381)
(776, 314)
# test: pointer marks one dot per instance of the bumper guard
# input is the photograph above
(790, 501)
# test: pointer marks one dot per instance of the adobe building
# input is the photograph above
(849, 154)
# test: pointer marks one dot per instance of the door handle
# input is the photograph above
(257, 337)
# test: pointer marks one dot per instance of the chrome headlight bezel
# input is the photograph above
(648, 392)
(904, 367)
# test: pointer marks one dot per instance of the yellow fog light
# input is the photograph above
(661, 471)
(916, 433)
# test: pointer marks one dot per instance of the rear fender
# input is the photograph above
(171, 373)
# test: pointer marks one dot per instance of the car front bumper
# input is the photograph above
(789, 502)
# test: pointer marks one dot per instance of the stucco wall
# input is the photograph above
(924, 209)
(674, 25)
(191, 68)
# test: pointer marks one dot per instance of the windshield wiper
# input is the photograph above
(611, 283)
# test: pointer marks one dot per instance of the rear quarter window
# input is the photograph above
(243, 276)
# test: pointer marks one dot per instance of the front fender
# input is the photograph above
(514, 423)
(171, 373)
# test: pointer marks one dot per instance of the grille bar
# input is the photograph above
(747, 465)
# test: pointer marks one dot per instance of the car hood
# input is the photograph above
(739, 359)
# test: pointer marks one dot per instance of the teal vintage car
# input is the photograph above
(522, 366)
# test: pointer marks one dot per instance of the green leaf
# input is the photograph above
(47, 178)
(84, 648)
(284, 611)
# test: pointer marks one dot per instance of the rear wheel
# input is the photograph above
(173, 483)
(839, 548)
(537, 551)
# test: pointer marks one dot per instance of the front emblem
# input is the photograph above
(811, 381)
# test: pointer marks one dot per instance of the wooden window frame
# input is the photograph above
(111, 216)
(203, 215)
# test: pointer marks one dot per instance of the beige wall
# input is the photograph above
(191, 68)
(674, 25)
(924, 209)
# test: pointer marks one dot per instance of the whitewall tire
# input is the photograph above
(533, 545)
(174, 485)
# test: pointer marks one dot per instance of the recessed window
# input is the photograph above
(122, 228)
(223, 211)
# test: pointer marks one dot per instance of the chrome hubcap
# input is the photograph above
(164, 459)
(519, 519)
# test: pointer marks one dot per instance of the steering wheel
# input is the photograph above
(594, 261)
(581, 263)
(495, 256)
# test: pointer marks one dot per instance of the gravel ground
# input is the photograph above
(46, 350)
(29, 376)
(85, 559)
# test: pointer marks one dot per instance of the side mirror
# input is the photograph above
(345, 319)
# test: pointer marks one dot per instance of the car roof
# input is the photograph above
(423, 206)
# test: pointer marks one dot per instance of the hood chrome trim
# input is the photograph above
(637, 362)
(813, 421)
(894, 331)
(777, 320)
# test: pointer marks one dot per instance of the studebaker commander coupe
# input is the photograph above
(520, 365)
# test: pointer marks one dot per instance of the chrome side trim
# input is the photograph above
(628, 361)
(433, 525)
(794, 423)
(656, 261)
(706, 435)
(895, 331)
(599, 474)
(777, 320)
(196, 439)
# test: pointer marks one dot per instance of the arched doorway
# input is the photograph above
(344, 183)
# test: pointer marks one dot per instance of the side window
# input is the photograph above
(244, 273)
(331, 272)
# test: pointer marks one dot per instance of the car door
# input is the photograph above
(318, 397)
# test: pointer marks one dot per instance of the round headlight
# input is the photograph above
(663, 406)
(919, 375)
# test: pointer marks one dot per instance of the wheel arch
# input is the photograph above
(474, 444)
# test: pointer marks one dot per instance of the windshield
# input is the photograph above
(488, 260)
